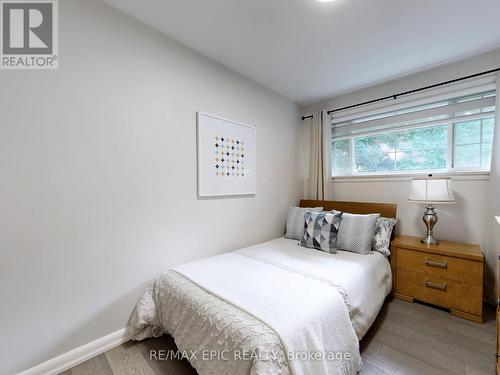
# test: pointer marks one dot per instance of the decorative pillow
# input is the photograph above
(320, 231)
(356, 232)
(382, 238)
(295, 221)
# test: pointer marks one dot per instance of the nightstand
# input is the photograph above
(449, 275)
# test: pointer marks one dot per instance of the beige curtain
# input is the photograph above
(492, 250)
(317, 158)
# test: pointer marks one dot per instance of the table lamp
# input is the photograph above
(431, 191)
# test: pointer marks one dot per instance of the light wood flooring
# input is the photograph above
(409, 339)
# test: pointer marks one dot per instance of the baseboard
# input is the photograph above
(76, 356)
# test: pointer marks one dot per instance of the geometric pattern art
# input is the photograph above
(226, 160)
(229, 158)
(320, 231)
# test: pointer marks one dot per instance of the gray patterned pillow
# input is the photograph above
(295, 221)
(382, 238)
(356, 232)
(320, 231)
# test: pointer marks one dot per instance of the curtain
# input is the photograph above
(317, 161)
(493, 239)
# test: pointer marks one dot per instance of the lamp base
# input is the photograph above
(429, 240)
(430, 219)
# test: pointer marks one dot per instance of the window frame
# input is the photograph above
(449, 170)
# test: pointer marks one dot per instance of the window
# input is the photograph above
(472, 143)
(451, 135)
(404, 150)
(340, 156)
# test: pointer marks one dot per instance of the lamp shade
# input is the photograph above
(498, 219)
(431, 190)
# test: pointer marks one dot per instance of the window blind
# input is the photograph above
(455, 109)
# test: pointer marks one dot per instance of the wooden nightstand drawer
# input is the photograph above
(449, 275)
(441, 266)
(440, 291)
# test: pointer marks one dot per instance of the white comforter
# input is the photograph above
(307, 314)
(294, 300)
(365, 280)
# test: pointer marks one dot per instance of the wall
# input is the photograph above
(98, 182)
(466, 221)
(483, 62)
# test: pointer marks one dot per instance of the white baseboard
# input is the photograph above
(76, 356)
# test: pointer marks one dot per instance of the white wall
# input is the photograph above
(98, 182)
(466, 221)
(483, 62)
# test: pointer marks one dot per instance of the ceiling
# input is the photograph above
(307, 50)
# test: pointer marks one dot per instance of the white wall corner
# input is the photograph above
(79, 355)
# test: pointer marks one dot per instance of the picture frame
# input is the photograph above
(226, 157)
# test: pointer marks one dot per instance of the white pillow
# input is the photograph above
(295, 221)
(356, 232)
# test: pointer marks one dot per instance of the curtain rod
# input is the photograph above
(395, 96)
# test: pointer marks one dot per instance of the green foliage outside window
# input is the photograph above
(417, 149)
(405, 150)
(472, 143)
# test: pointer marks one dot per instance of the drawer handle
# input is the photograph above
(433, 263)
(430, 284)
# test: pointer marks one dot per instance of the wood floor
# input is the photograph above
(409, 339)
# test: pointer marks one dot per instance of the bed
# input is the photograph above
(272, 308)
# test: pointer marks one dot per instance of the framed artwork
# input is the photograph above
(226, 157)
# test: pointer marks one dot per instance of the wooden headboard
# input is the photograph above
(384, 209)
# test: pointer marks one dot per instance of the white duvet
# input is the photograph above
(365, 279)
(276, 295)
